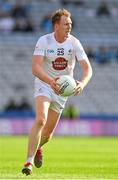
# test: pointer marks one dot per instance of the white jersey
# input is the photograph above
(59, 58)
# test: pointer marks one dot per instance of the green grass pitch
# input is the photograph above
(67, 158)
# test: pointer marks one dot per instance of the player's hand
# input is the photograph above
(54, 85)
(79, 88)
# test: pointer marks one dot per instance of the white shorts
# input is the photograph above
(43, 89)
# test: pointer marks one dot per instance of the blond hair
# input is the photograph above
(56, 16)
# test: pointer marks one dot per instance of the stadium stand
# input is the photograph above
(16, 49)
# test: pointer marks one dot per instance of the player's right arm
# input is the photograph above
(38, 71)
(37, 63)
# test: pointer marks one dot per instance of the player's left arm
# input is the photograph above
(86, 76)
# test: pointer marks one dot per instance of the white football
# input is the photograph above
(67, 85)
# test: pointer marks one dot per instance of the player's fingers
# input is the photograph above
(57, 92)
(78, 91)
(57, 78)
(56, 88)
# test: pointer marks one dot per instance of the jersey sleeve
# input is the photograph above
(79, 51)
(40, 47)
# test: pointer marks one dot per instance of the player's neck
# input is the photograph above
(59, 38)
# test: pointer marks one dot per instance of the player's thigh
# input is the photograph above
(52, 120)
(42, 104)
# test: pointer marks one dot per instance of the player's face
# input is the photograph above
(64, 26)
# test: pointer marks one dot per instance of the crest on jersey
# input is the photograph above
(70, 52)
(60, 63)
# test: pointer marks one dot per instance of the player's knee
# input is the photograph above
(40, 121)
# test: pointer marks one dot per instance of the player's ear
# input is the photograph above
(56, 26)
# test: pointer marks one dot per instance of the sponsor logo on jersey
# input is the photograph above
(60, 63)
(50, 51)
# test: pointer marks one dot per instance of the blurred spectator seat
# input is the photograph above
(103, 9)
(6, 23)
(19, 10)
(23, 25)
(102, 56)
(74, 2)
(46, 24)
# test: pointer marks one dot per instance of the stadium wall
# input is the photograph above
(89, 126)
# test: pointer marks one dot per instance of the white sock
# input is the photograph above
(30, 159)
